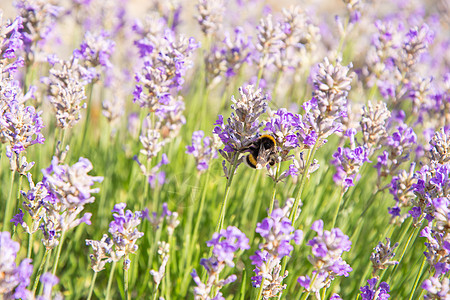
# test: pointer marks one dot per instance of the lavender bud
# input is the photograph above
(210, 14)
(382, 256)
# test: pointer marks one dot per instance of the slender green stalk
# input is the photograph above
(261, 288)
(274, 191)
(125, 282)
(416, 282)
(243, 284)
(110, 279)
(293, 213)
(227, 192)
(39, 272)
(30, 245)
(155, 292)
(88, 112)
(9, 204)
(91, 289)
(58, 252)
(413, 233)
(338, 207)
(260, 74)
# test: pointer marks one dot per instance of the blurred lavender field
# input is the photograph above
(218, 149)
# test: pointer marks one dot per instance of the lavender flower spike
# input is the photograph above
(14, 279)
(225, 244)
(277, 233)
(124, 232)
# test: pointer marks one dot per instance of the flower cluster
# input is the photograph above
(14, 279)
(437, 288)
(124, 232)
(277, 232)
(348, 161)
(228, 57)
(398, 147)
(55, 203)
(225, 244)
(95, 50)
(10, 44)
(371, 292)
(373, 126)
(38, 19)
(171, 218)
(402, 190)
(210, 14)
(381, 257)
(328, 106)
(66, 90)
(242, 128)
(327, 249)
(203, 149)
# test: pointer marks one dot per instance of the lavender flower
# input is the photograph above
(348, 162)
(124, 232)
(325, 111)
(210, 14)
(66, 90)
(95, 50)
(381, 257)
(269, 41)
(10, 44)
(373, 126)
(20, 126)
(370, 292)
(327, 249)
(203, 149)
(69, 189)
(102, 251)
(399, 145)
(38, 19)
(14, 279)
(71, 185)
(277, 233)
(402, 190)
(225, 244)
(48, 280)
(437, 288)
(242, 127)
(163, 251)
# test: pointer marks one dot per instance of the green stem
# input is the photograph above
(110, 279)
(39, 272)
(30, 245)
(155, 292)
(58, 252)
(416, 282)
(261, 288)
(338, 207)
(88, 112)
(91, 289)
(9, 204)
(293, 213)
(260, 74)
(125, 282)
(274, 191)
(227, 192)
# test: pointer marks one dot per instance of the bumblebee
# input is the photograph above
(262, 152)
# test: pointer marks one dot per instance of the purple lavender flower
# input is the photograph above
(20, 126)
(241, 130)
(48, 280)
(437, 288)
(370, 292)
(348, 162)
(14, 279)
(10, 43)
(225, 244)
(203, 149)
(327, 249)
(277, 233)
(210, 14)
(124, 232)
(71, 185)
(38, 19)
(102, 251)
